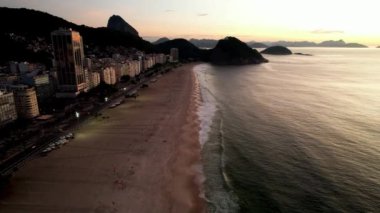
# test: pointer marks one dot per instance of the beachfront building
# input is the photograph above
(26, 101)
(69, 62)
(124, 68)
(134, 68)
(174, 55)
(8, 112)
(148, 62)
(94, 79)
(118, 66)
(108, 75)
(44, 87)
(160, 58)
(41, 82)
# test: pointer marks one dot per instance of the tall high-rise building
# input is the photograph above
(8, 112)
(69, 62)
(174, 55)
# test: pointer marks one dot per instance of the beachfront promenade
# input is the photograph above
(139, 160)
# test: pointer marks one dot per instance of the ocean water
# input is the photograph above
(298, 134)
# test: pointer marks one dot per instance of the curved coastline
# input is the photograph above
(187, 168)
(217, 192)
(145, 157)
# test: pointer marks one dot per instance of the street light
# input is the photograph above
(125, 89)
(106, 99)
(77, 115)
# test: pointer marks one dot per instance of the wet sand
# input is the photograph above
(142, 159)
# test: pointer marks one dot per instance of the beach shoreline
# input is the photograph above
(144, 158)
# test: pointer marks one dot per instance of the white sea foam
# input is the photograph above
(207, 108)
(219, 198)
(206, 112)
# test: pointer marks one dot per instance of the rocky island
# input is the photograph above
(277, 50)
(232, 51)
(303, 54)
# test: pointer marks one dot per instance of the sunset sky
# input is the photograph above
(264, 20)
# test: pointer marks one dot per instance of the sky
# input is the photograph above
(258, 20)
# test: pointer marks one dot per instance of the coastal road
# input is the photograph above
(13, 164)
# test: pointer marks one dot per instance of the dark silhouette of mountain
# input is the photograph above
(255, 44)
(378, 46)
(16, 50)
(211, 43)
(330, 43)
(204, 43)
(277, 50)
(232, 51)
(186, 49)
(32, 25)
(116, 22)
(21, 27)
(228, 51)
(161, 40)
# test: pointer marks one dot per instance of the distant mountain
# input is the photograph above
(356, 45)
(277, 50)
(186, 49)
(161, 40)
(255, 44)
(232, 51)
(292, 44)
(32, 25)
(116, 22)
(378, 46)
(340, 43)
(330, 43)
(204, 43)
(211, 43)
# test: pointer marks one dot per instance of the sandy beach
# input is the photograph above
(142, 159)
